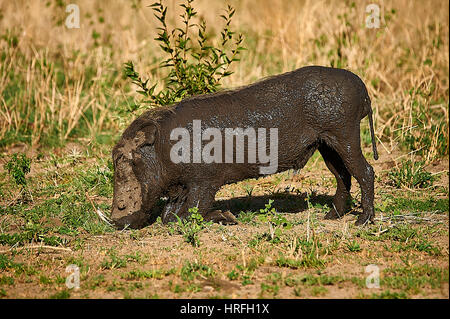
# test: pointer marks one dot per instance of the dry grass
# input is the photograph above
(68, 78)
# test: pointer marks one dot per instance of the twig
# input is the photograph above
(36, 246)
(407, 217)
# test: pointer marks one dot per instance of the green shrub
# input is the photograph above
(195, 65)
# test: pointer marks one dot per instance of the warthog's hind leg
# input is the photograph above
(364, 174)
(343, 179)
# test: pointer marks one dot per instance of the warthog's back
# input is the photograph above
(313, 95)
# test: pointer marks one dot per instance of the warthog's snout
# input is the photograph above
(127, 202)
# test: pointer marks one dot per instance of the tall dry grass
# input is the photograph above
(55, 80)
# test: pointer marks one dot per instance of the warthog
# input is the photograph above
(311, 108)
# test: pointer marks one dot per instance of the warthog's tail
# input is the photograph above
(372, 133)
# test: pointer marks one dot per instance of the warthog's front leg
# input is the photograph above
(175, 203)
(182, 198)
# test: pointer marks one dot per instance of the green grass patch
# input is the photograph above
(114, 261)
(19, 239)
(6, 280)
(306, 262)
(64, 294)
(269, 289)
(411, 175)
(413, 279)
(389, 295)
(147, 274)
(321, 280)
(439, 205)
(192, 270)
(7, 263)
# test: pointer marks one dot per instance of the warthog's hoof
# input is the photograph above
(332, 214)
(224, 218)
(364, 219)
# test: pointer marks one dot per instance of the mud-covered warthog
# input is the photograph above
(312, 108)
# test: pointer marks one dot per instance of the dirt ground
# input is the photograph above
(316, 258)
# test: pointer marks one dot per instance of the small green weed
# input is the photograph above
(97, 281)
(410, 175)
(147, 274)
(353, 246)
(248, 188)
(114, 261)
(247, 217)
(245, 272)
(18, 167)
(233, 275)
(192, 270)
(314, 280)
(190, 227)
(275, 221)
(271, 289)
(7, 263)
(6, 280)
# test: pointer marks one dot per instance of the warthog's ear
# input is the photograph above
(150, 134)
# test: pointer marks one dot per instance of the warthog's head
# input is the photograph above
(138, 179)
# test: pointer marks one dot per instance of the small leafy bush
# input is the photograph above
(195, 65)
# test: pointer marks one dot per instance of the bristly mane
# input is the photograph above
(157, 115)
(229, 91)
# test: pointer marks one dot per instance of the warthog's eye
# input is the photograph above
(117, 159)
